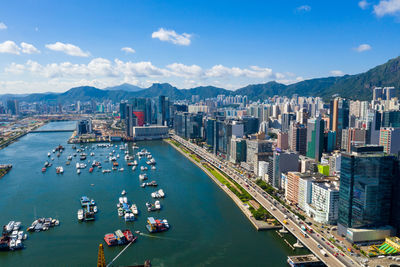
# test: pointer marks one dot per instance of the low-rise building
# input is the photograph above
(150, 132)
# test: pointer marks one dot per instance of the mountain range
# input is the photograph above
(358, 86)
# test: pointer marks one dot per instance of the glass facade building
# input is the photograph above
(365, 188)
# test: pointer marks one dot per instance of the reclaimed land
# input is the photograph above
(240, 197)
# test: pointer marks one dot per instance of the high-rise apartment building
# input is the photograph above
(315, 138)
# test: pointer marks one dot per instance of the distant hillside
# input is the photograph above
(124, 87)
(357, 86)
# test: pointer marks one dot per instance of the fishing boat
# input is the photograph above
(59, 170)
(157, 225)
(91, 169)
(119, 238)
(44, 169)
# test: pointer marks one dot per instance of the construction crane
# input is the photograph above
(101, 261)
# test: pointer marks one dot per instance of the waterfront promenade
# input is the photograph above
(278, 211)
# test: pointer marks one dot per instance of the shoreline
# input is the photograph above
(259, 225)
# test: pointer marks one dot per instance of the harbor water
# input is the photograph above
(207, 228)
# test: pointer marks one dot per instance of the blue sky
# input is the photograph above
(55, 45)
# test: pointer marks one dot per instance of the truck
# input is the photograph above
(323, 252)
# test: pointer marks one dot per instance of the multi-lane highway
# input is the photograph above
(321, 247)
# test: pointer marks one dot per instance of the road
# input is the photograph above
(314, 242)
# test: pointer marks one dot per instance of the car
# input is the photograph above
(319, 246)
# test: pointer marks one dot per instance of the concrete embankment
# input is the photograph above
(259, 225)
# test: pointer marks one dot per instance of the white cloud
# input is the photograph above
(36, 29)
(363, 4)
(101, 71)
(172, 37)
(387, 7)
(3, 26)
(128, 50)
(304, 8)
(252, 72)
(29, 49)
(181, 70)
(68, 49)
(336, 73)
(363, 48)
(9, 47)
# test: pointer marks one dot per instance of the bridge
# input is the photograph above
(52, 131)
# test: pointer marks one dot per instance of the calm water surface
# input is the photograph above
(207, 228)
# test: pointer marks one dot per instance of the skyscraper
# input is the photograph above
(315, 138)
(298, 138)
(365, 190)
(129, 120)
(339, 117)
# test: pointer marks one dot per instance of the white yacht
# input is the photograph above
(157, 205)
(134, 209)
(80, 215)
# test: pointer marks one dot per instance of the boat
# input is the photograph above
(134, 209)
(69, 157)
(95, 209)
(120, 212)
(91, 169)
(77, 165)
(80, 214)
(157, 205)
(106, 171)
(125, 199)
(59, 170)
(84, 201)
(68, 163)
(49, 154)
(78, 171)
(143, 176)
(44, 169)
(17, 225)
(119, 238)
(9, 227)
(153, 167)
(92, 154)
(158, 194)
(133, 168)
(121, 169)
(143, 168)
(129, 217)
(123, 192)
(46, 164)
(157, 225)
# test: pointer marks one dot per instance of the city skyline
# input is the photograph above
(48, 47)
